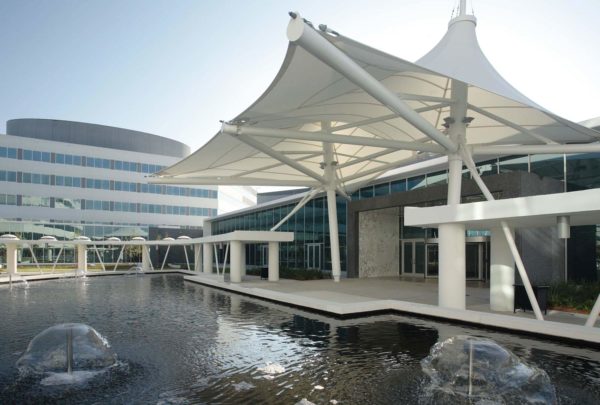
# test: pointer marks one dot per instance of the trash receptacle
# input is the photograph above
(522, 300)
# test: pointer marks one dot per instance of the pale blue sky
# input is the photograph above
(175, 68)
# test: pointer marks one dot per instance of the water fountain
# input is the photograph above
(67, 353)
(465, 369)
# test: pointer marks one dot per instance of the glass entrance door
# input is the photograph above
(413, 257)
(474, 260)
(313, 255)
(433, 264)
(264, 255)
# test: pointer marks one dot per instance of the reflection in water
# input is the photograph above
(188, 343)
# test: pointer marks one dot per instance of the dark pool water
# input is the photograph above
(183, 343)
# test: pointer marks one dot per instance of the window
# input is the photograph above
(46, 157)
(118, 165)
(413, 183)
(11, 153)
(37, 156)
(59, 158)
(398, 186)
(382, 189)
(27, 154)
(2, 151)
(366, 192)
(59, 180)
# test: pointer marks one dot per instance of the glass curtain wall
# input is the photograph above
(310, 225)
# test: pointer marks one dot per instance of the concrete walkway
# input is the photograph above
(353, 297)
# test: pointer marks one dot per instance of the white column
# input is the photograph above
(11, 258)
(82, 258)
(235, 270)
(145, 258)
(502, 273)
(330, 178)
(243, 259)
(207, 258)
(273, 261)
(334, 240)
(198, 257)
(452, 272)
(452, 256)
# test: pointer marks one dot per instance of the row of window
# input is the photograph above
(577, 171)
(102, 205)
(78, 160)
(102, 184)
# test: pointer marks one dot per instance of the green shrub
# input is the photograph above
(580, 296)
(292, 273)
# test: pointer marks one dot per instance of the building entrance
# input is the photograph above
(313, 255)
(413, 257)
(421, 257)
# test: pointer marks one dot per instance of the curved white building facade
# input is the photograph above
(67, 178)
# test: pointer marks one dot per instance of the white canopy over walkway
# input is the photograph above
(340, 114)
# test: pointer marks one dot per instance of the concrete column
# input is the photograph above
(273, 261)
(334, 240)
(11, 258)
(82, 258)
(145, 258)
(452, 272)
(235, 269)
(197, 258)
(502, 273)
(243, 259)
(207, 258)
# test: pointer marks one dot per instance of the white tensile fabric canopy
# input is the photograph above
(340, 113)
(279, 139)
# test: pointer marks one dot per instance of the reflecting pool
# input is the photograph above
(183, 343)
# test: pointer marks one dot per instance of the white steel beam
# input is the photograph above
(308, 156)
(366, 158)
(320, 136)
(534, 149)
(422, 97)
(511, 124)
(275, 155)
(309, 195)
(229, 181)
(375, 120)
(300, 33)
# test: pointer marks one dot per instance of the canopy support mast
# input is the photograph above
(329, 166)
(452, 255)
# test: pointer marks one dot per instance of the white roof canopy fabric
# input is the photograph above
(281, 139)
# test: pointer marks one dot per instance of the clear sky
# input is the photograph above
(176, 67)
